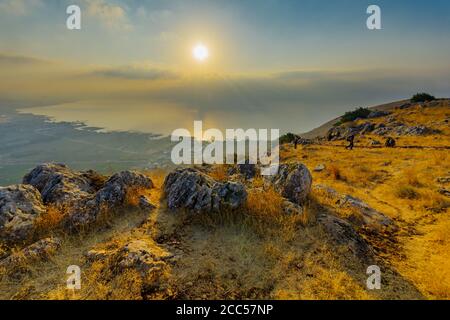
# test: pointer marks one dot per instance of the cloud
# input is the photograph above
(291, 101)
(112, 16)
(136, 73)
(19, 7)
(19, 60)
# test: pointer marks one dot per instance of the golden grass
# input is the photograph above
(219, 173)
(402, 184)
(50, 220)
(427, 264)
(406, 192)
(336, 172)
(259, 252)
(265, 204)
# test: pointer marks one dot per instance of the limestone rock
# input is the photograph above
(145, 204)
(195, 191)
(293, 182)
(443, 180)
(292, 209)
(362, 215)
(319, 168)
(20, 206)
(146, 258)
(60, 185)
(343, 233)
(115, 189)
(110, 197)
(38, 251)
(444, 192)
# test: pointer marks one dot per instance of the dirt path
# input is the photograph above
(383, 147)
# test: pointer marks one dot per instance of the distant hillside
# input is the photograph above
(323, 129)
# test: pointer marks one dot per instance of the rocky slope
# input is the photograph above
(225, 232)
(82, 200)
(383, 121)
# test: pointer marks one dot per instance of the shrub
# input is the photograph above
(335, 172)
(422, 97)
(406, 192)
(361, 113)
(287, 138)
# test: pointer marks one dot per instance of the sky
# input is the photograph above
(291, 64)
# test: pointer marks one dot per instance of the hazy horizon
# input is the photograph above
(291, 65)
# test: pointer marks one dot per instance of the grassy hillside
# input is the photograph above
(260, 252)
(323, 129)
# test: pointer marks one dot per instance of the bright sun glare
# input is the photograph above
(200, 52)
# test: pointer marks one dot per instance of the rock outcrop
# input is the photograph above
(360, 213)
(107, 199)
(291, 209)
(197, 192)
(60, 185)
(142, 256)
(293, 182)
(116, 188)
(342, 233)
(84, 195)
(41, 250)
(20, 206)
(319, 168)
(443, 180)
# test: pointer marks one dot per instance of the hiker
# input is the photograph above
(351, 140)
(297, 140)
(390, 142)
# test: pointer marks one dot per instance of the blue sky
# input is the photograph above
(244, 35)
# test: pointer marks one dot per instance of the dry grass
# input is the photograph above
(51, 220)
(335, 172)
(402, 184)
(219, 173)
(259, 252)
(264, 204)
(406, 192)
(427, 265)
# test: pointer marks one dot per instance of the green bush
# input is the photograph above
(287, 138)
(361, 113)
(422, 97)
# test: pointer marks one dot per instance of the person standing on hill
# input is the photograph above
(297, 140)
(351, 141)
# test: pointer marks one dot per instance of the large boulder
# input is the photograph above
(20, 206)
(195, 191)
(112, 196)
(115, 190)
(293, 182)
(60, 185)
(247, 169)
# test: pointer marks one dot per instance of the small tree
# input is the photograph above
(422, 97)
(287, 138)
(361, 113)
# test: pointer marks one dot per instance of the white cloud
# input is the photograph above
(110, 15)
(19, 7)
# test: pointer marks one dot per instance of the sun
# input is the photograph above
(200, 52)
